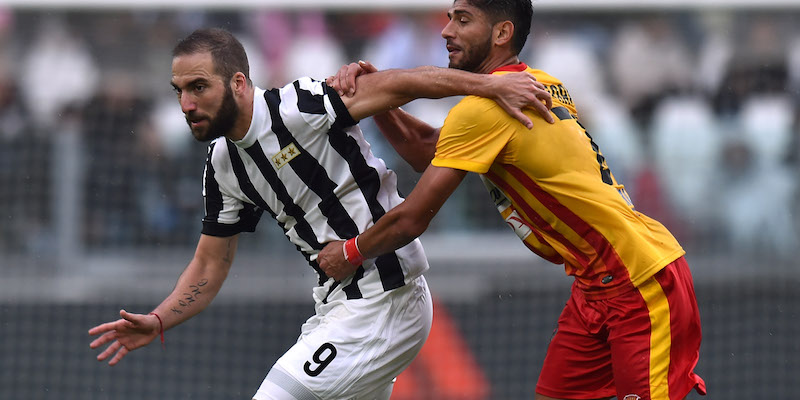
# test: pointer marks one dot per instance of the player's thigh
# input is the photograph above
(656, 340)
(578, 360)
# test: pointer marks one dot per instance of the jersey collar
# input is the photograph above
(512, 68)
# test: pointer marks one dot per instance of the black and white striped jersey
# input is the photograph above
(306, 162)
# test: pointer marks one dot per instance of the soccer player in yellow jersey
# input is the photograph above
(631, 327)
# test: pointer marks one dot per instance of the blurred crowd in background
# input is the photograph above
(696, 113)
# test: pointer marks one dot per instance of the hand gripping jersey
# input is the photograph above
(305, 162)
(553, 187)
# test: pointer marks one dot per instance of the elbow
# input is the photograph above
(408, 227)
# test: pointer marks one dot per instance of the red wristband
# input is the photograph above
(351, 252)
(161, 328)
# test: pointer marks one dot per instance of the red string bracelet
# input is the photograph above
(351, 252)
(161, 326)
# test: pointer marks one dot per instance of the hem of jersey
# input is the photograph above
(224, 230)
(464, 165)
(341, 295)
(663, 263)
(649, 273)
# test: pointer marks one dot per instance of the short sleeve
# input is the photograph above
(224, 215)
(314, 104)
(474, 133)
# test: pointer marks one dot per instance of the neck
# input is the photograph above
(493, 63)
(245, 118)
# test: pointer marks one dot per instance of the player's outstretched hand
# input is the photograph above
(519, 90)
(331, 260)
(125, 334)
(344, 82)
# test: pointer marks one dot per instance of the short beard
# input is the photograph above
(223, 122)
(473, 60)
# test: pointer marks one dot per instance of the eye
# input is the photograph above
(199, 88)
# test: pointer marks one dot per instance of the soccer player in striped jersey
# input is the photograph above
(297, 153)
(631, 328)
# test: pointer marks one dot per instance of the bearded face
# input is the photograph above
(471, 55)
(469, 37)
(211, 126)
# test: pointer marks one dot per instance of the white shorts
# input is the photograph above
(351, 348)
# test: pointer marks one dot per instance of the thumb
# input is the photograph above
(367, 66)
(134, 319)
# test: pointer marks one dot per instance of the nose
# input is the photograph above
(447, 31)
(187, 103)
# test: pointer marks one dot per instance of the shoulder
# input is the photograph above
(309, 84)
(474, 108)
(557, 90)
(473, 113)
(543, 77)
(218, 151)
(313, 102)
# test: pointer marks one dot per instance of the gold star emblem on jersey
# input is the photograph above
(286, 154)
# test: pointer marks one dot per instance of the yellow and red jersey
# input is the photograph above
(552, 185)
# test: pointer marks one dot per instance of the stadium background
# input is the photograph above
(695, 104)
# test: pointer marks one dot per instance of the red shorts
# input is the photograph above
(645, 343)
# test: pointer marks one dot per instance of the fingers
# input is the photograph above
(337, 83)
(543, 95)
(108, 326)
(117, 349)
(523, 118)
(349, 73)
(123, 351)
(111, 349)
(350, 78)
(109, 336)
(544, 111)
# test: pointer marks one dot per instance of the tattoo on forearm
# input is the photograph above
(190, 296)
(228, 258)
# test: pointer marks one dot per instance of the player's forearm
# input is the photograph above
(413, 139)
(411, 218)
(198, 284)
(435, 83)
(392, 231)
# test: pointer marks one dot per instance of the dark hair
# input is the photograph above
(226, 51)
(519, 12)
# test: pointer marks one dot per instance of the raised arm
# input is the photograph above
(415, 140)
(196, 287)
(384, 90)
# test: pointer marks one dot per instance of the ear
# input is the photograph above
(238, 83)
(502, 33)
